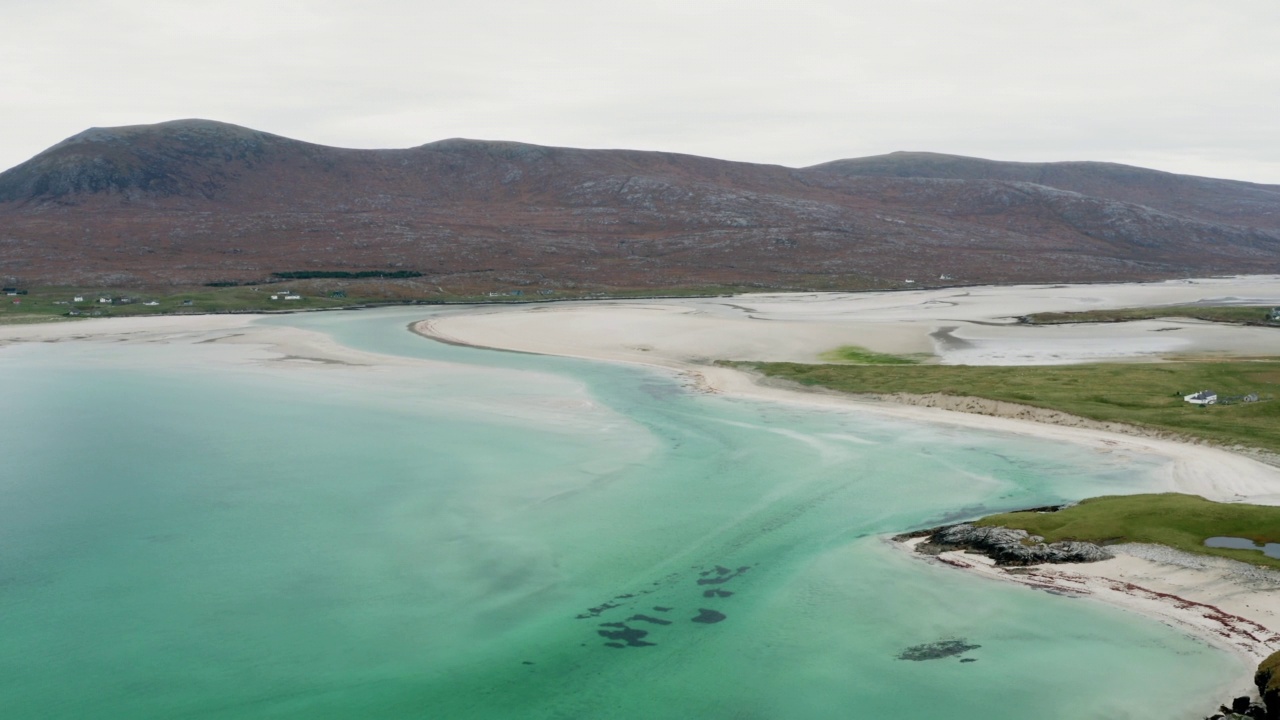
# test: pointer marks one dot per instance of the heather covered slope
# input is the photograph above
(198, 201)
(1206, 199)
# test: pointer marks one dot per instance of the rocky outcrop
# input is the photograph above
(1241, 707)
(1008, 546)
(1267, 678)
(1268, 681)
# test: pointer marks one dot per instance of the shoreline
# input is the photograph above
(1213, 472)
(1137, 580)
(1016, 411)
(1193, 594)
(1167, 592)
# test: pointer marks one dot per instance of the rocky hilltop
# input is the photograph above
(196, 201)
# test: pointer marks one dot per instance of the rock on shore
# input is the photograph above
(1268, 682)
(1009, 546)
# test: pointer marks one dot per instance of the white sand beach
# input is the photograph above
(255, 343)
(1229, 604)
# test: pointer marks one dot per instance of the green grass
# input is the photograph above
(854, 355)
(1179, 521)
(1143, 394)
(32, 318)
(47, 304)
(1225, 314)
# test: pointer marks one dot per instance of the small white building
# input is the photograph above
(292, 297)
(1204, 397)
(151, 303)
(78, 298)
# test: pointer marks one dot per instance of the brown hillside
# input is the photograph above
(197, 201)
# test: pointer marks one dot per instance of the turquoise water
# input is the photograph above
(183, 535)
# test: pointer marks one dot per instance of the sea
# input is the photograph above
(469, 533)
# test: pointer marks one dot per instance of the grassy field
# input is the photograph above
(57, 303)
(854, 355)
(1225, 314)
(1178, 521)
(1144, 394)
(48, 304)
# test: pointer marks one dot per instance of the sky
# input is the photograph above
(1189, 86)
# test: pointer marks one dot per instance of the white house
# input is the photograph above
(78, 298)
(292, 297)
(1204, 397)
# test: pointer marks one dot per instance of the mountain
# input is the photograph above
(195, 201)
(1207, 199)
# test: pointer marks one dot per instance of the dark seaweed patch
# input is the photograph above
(629, 636)
(722, 575)
(936, 650)
(709, 617)
(648, 619)
(595, 611)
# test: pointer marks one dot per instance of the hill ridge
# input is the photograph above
(200, 200)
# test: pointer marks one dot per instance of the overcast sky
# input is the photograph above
(1187, 86)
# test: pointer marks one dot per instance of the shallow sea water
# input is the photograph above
(185, 536)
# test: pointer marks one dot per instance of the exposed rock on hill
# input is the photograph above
(1206, 199)
(197, 201)
(193, 158)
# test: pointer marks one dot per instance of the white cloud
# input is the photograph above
(1182, 85)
